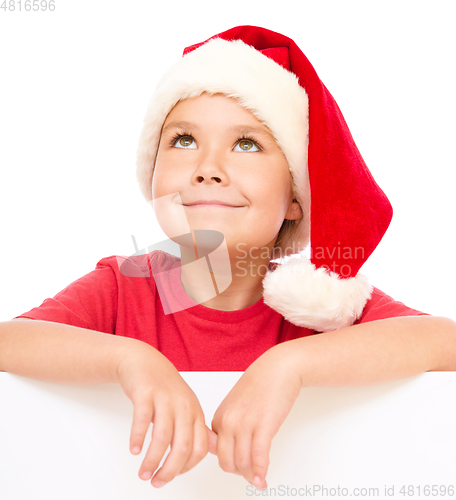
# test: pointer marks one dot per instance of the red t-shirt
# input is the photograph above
(125, 301)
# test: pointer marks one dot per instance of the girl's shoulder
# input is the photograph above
(383, 306)
(140, 265)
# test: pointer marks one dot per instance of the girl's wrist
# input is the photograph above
(142, 359)
(286, 360)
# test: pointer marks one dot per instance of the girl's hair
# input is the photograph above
(285, 234)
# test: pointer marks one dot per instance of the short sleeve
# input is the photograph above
(89, 302)
(382, 306)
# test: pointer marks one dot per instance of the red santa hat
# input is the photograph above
(345, 213)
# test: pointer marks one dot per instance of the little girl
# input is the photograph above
(246, 158)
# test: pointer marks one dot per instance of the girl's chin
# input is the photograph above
(237, 240)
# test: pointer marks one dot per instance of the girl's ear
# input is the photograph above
(294, 211)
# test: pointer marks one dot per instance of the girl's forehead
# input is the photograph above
(211, 101)
(207, 107)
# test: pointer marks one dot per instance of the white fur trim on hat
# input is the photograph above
(314, 298)
(262, 86)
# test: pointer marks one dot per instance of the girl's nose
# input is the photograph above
(200, 179)
(210, 170)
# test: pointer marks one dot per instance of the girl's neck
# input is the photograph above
(227, 286)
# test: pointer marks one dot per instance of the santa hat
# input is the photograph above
(345, 212)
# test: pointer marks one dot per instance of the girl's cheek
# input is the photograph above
(164, 184)
(158, 187)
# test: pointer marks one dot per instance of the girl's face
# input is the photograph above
(230, 174)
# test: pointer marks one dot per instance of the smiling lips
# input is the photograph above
(211, 203)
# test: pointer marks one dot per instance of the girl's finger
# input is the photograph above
(162, 435)
(243, 455)
(200, 446)
(225, 453)
(261, 446)
(212, 436)
(142, 418)
(181, 449)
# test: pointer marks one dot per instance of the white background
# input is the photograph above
(73, 92)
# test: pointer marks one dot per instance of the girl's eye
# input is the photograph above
(247, 145)
(183, 142)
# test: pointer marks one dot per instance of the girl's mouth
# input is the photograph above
(211, 203)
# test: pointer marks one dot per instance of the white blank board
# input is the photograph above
(71, 442)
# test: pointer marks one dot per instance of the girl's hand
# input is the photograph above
(252, 413)
(161, 396)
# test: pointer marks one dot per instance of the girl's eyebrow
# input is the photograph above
(181, 124)
(240, 129)
(248, 129)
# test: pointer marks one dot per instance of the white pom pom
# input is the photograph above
(313, 298)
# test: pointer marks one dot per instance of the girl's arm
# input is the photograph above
(375, 352)
(56, 352)
(364, 354)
